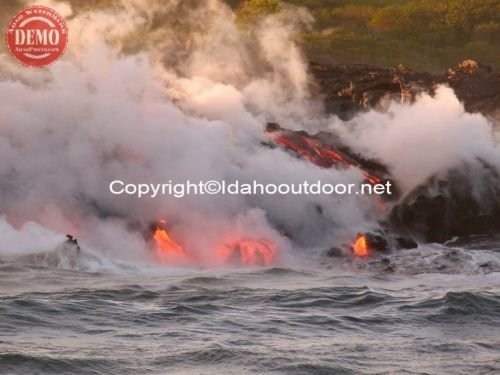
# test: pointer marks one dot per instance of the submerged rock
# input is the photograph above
(334, 252)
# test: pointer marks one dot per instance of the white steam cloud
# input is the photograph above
(425, 139)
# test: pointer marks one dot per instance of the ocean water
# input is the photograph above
(58, 317)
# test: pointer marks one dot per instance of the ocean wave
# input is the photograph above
(457, 307)
(19, 363)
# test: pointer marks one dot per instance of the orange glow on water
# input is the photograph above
(248, 252)
(360, 246)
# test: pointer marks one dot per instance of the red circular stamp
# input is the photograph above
(37, 36)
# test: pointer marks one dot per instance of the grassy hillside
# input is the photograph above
(429, 35)
(422, 34)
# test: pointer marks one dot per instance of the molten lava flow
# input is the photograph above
(317, 152)
(166, 245)
(248, 252)
(361, 246)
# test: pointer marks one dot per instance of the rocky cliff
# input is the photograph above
(347, 89)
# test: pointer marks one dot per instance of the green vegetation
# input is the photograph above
(427, 35)
(251, 11)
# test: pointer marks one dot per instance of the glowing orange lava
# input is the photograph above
(319, 153)
(360, 246)
(166, 245)
(248, 252)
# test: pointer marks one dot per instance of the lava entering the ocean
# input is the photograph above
(248, 252)
(360, 247)
(165, 245)
(245, 251)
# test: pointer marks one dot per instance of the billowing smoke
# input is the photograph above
(178, 90)
(425, 139)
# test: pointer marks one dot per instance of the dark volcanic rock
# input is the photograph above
(459, 205)
(334, 252)
(406, 243)
(348, 89)
(376, 242)
(478, 87)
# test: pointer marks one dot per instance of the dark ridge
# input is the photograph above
(349, 89)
